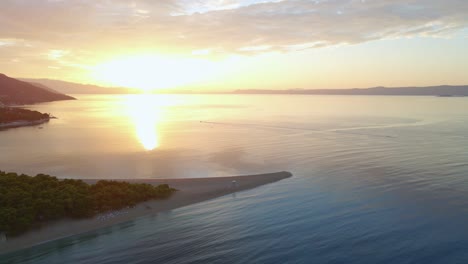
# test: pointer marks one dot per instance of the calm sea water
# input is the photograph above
(376, 179)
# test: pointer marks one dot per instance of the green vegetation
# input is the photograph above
(8, 114)
(27, 202)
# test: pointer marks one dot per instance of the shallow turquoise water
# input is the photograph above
(376, 179)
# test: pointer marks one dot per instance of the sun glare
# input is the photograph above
(149, 72)
(145, 118)
(147, 113)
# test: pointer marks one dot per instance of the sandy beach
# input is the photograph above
(190, 191)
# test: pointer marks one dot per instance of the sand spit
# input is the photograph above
(190, 191)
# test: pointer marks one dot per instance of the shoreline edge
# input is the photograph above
(189, 191)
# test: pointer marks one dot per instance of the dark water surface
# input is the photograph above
(376, 179)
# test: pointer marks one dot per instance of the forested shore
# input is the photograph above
(28, 202)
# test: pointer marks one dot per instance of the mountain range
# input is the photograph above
(59, 88)
(442, 90)
(16, 92)
(78, 88)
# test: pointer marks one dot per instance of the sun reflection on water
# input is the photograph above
(145, 112)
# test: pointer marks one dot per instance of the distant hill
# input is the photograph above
(44, 87)
(442, 90)
(13, 91)
(57, 86)
(77, 88)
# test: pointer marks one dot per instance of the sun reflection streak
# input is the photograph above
(145, 113)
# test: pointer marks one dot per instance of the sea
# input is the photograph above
(376, 179)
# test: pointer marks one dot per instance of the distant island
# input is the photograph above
(14, 92)
(28, 202)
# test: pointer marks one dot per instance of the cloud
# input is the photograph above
(286, 24)
(189, 7)
(90, 27)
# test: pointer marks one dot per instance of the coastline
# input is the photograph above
(23, 123)
(190, 191)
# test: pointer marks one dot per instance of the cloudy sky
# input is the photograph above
(230, 44)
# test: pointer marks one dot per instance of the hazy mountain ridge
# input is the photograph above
(44, 87)
(78, 88)
(16, 92)
(441, 90)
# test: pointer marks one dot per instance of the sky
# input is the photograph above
(245, 44)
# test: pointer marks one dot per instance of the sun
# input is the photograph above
(150, 72)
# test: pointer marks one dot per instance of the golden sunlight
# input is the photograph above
(148, 72)
(145, 118)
